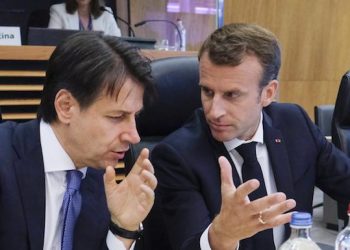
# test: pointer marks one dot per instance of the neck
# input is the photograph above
(60, 131)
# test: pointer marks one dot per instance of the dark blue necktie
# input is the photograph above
(70, 208)
(251, 170)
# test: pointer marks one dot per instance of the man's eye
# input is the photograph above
(116, 117)
(206, 91)
(233, 94)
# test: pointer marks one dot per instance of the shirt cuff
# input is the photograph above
(204, 241)
(113, 243)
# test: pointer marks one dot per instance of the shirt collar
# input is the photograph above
(257, 137)
(54, 156)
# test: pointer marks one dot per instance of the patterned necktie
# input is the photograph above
(251, 170)
(70, 208)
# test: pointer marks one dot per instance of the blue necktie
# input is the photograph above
(251, 170)
(70, 208)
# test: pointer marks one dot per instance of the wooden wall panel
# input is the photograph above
(314, 36)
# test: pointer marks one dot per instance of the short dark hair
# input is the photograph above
(231, 43)
(95, 7)
(86, 64)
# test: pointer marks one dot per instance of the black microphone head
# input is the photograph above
(140, 23)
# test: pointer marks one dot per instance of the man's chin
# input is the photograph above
(221, 137)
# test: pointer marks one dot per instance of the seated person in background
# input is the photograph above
(95, 85)
(209, 205)
(83, 15)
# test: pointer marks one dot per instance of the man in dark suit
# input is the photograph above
(272, 144)
(95, 85)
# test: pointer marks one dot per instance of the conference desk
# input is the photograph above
(28, 52)
(22, 73)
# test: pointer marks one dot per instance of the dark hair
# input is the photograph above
(231, 43)
(86, 64)
(95, 7)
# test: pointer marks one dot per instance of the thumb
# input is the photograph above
(226, 175)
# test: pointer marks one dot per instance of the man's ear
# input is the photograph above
(65, 105)
(268, 94)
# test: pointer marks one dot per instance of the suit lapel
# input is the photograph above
(279, 161)
(279, 158)
(31, 181)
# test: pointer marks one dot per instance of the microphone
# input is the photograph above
(103, 8)
(162, 20)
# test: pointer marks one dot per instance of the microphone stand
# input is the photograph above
(131, 30)
(162, 20)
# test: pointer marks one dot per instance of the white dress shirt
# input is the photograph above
(56, 164)
(264, 161)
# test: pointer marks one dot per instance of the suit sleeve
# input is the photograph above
(332, 166)
(55, 18)
(184, 208)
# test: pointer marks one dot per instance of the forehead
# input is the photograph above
(129, 97)
(212, 75)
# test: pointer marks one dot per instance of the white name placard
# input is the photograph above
(10, 35)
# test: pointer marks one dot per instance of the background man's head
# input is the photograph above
(87, 64)
(95, 86)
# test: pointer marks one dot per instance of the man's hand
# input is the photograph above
(239, 217)
(130, 201)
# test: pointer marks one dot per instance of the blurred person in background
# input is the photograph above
(88, 15)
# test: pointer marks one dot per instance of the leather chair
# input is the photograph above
(323, 118)
(341, 130)
(178, 95)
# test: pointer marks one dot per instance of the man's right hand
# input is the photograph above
(239, 217)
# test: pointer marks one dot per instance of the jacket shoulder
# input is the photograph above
(18, 137)
(58, 7)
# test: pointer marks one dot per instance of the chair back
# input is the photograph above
(341, 131)
(178, 95)
(323, 118)
(341, 116)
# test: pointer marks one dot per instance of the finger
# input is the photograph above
(109, 177)
(147, 165)
(278, 220)
(266, 202)
(278, 209)
(147, 192)
(246, 188)
(146, 197)
(149, 179)
(226, 175)
(137, 168)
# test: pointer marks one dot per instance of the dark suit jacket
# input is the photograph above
(186, 165)
(22, 194)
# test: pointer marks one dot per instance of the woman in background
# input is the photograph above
(83, 15)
